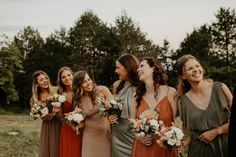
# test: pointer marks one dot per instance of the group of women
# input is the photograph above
(203, 105)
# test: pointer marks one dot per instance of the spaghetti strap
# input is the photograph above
(167, 91)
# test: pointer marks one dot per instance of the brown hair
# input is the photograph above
(183, 85)
(130, 63)
(61, 86)
(159, 78)
(78, 89)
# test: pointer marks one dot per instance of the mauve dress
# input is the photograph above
(49, 138)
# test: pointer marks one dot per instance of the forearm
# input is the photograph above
(223, 129)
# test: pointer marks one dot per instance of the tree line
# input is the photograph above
(92, 45)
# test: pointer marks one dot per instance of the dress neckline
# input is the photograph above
(208, 105)
(158, 103)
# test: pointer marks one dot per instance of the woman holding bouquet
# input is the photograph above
(70, 143)
(204, 108)
(50, 129)
(124, 88)
(96, 132)
(154, 95)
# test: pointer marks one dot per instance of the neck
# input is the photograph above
(69, 88)
(149, 84)
(127, 83)
(197, 87)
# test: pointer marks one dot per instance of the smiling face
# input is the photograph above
(121, 71)
(87, 84)
(66, 78)
(144, 71)
(193, 71)
(43, 81)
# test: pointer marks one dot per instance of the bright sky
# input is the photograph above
(159, 19)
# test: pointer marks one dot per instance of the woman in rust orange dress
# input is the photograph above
(70, 143)
(153, 94)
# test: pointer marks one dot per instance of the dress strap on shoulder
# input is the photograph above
(168, 90)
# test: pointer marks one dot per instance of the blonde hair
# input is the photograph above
(36, 88)
(61, 86)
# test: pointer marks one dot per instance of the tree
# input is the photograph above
(132, 39)
(224, 36)
(9, 63)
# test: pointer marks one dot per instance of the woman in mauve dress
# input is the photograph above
(50, 129)
(96, 134)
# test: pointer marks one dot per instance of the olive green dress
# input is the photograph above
(198, 121)
(122, 140)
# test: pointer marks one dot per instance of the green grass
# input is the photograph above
(26, 142)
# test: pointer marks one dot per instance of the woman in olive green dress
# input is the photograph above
(204, 108)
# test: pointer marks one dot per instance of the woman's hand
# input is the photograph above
(146, 140)
(112, 119)
(209, 135)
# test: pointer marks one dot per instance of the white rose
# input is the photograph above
(61, 98)
(112, 101)
(169, 134)
(45, 111)
(78, 117)
(70, 117)
(141, 134)
(179, 132)
(171, 142)
(56, 104)
(153, 122)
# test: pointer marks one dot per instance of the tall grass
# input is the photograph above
(19, 136)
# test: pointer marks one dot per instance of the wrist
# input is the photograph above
(219, 131)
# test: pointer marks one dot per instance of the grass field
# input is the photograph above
(19, 135)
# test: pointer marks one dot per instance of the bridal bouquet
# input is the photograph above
(56, 100)
(146, 124)
(39, 109)
(74, 119)
(172, 136)
(111, 107)
(42, 108)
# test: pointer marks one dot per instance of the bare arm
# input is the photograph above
(172, 97)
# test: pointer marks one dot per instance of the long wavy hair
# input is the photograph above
(183, 85)
(130, 63)
(61, 86)
(159, 77)
(78, 89)
(35, 87)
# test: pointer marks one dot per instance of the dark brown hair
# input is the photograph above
(159, 78)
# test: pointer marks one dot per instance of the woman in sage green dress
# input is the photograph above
(124, 88)
(204, 108)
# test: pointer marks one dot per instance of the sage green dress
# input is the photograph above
(122, 140)
(198, 121)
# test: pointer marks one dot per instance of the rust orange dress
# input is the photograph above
(70, 143)
(165, 114)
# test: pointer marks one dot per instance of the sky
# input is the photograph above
(159, 19)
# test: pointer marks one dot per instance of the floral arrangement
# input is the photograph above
(56, 100)
(113, 106)
(172, 136)
(74, 119)
(146, 124)
(41, 108)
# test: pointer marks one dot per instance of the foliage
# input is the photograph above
(224, 35)
(9, 63)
